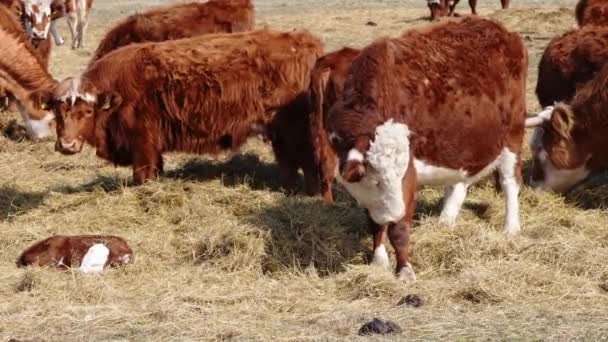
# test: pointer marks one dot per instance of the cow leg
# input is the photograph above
(82, 27)
(504, 4)
(510, 178)
(147, 162)
(399, 235)
(311, 179)
(379, 232)
(473, 5)
(72, 22)
(452, 202)
(56, 36)
(288, 176)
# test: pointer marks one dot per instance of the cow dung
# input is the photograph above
(412, 300)
(14, 131)
(378, 326)
(371, 23)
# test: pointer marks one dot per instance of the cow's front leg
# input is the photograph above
(56, 36)
(379, 232)
(452, 203)
(147, 162)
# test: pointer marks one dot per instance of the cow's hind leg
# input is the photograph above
(452, 202)
(510, 176)
(72, 22)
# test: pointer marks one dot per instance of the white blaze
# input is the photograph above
(380, 190)
(95, 259)
(73, 93)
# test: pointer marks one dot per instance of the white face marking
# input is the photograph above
(380, 191)
(73, 93)
(354, 155)
(381, 257)
(558, 180)
(44, 11)
(95, 259)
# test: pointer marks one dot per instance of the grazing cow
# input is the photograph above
(442, 8)
(568, 141)
(21, 72)
(204, 94)
(591, 12)
(91, 253)
(179, 21)
(406, 117)
(297, 134)
(569, 61)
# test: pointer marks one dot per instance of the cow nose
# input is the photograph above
(68, 145)
(38, 35)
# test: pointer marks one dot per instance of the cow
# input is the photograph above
(567, 143)
(408, 118)
(569, 61)
(90, 253)
(296, 132)
(179, 21)
(442, 8)
(204, 94)
(21, 73)
(591, 12)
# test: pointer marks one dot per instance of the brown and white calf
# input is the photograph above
(569, 141)
(591, 12)
(179, 21)
(90, 253)
(205, 94)
(407, 118)
(21, 73)
(569, 61)
(442, 8)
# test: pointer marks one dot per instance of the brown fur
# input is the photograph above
(61, 251)
(461, 116)
(446, 8)
(179, 21)
(202, 95)
(569, 61)
(591, 12)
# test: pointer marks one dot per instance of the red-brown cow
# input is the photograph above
(442, 8)
(90, 253)
(568, 142)
(297, 134)
(204, 94)
(406, 119)
(21, 73)
(179, 21)
(591, 12)
(569, 61)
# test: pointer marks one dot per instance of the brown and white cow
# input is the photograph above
(591, 12)
(442, 8)
(21, 73)
(568, 143)
(407, 117)
(179, 21)
(204, 94)
(569, 61)
(297, 131)
(90, 253)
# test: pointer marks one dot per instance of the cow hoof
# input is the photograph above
(406, 274)
(512, 230)
(59, 43)
(448, 219)
(380, 257)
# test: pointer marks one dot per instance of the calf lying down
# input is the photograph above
(90, 253)
(406, 120)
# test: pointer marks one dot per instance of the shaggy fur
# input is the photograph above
(569, 61)
(591, 12)
(62, 251)
(297, 132)
(179, 21)
(201, 95)
(461, 117)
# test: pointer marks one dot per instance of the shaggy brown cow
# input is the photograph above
(591, 12)
(405, 118)
(179, 21)
(297, 134)
(568, 142)
(91, 253)
(442, 8)
(21, 72)
(569, 61)
(204, 94)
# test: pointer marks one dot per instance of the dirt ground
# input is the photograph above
(222, 254)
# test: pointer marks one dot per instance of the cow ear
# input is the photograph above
(42, 99)
(108, 102)
(562, 121)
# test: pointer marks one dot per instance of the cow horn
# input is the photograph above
(541, 117)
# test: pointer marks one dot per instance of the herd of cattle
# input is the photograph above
(384, 119)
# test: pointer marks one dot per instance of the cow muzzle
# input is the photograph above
(68, 147)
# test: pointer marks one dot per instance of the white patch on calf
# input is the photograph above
(95, 259)
(380, 190)
(73, 93)
(355, 155)
(380, 257)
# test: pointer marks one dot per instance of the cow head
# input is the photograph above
(75, 111)
(561, 155)
(372, 169)
(37, 17)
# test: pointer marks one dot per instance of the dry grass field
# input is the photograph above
(222, 254)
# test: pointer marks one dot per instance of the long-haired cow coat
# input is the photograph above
(591, 12)
(408, 116)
